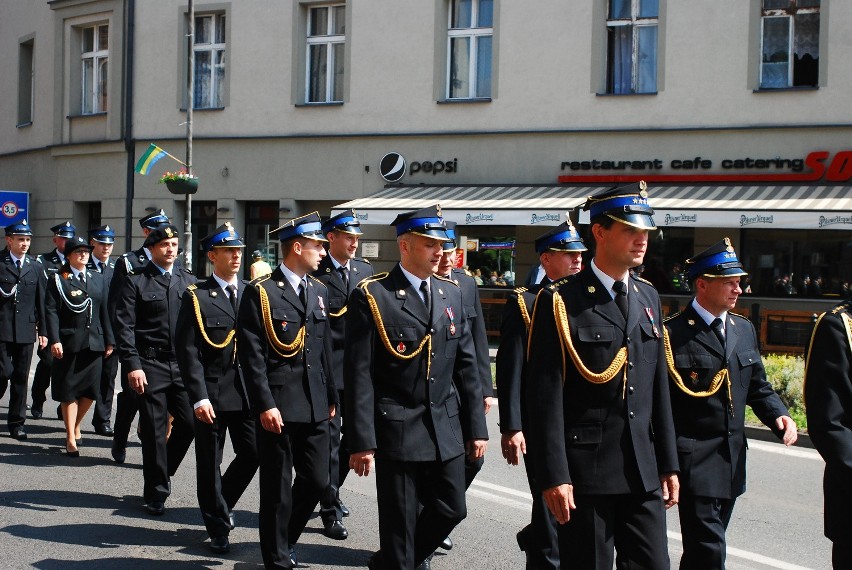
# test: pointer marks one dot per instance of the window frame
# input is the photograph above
(634, 22)
(99, 103)
(214, 47)
(474, 33)
(26, 81)
(790, 12)
(330, 41)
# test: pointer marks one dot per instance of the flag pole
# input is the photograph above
(190, 103)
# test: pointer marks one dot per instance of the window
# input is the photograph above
(261, 218)
(631, 27)
(470, 37)
(789, 33)
(209, 56)
(26, 82)
(93, 214)
(95, 58)
(325, 53)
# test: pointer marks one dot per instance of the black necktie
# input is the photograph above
(101, 266)
(81, 277)
(18, 264)
(167, 275)
(717, 329)
(344, 274)
(424, 290)
(621, 296)
(303, 294)
(232, 294)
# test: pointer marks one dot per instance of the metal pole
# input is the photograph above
(190, 103)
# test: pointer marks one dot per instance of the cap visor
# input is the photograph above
(640, 221)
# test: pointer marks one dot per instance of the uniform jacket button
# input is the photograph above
(630, 390)
(631, 415)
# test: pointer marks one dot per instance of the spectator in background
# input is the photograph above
(477, 276)
(815, 287)
(677, 279)
(783, 285)
(509, 277)
(259, 267)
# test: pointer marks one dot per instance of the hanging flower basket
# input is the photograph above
(180, 182)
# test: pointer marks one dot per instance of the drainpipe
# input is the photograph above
(129, 143)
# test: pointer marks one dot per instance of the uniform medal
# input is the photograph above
(321, 304)
(449, 311)
(653, 324)
(400, 348)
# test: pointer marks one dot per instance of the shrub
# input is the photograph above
(786, 374)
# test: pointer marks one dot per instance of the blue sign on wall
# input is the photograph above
(14, 207)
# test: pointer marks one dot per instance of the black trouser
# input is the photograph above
(106, 389)
(539, 538)
(703, 521)
(218, 493)
(407, 533)
(163, 395)
(338, 467)
(127, 405)
(15, 361)
(286, 506)
(41, 378)
(633, 524)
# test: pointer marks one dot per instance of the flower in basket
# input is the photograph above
(179, 176)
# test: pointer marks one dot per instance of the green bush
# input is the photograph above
(786, 374)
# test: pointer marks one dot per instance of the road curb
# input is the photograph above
(762, 433)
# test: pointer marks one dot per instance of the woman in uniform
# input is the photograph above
(79, 334)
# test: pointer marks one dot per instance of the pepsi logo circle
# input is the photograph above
(392, 167)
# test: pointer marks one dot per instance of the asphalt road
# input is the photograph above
(57, 512)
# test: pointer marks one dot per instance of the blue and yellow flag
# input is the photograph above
(147, 160)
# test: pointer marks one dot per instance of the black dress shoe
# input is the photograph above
(72, 453)
(119, 452)
(294, 562)
(344, 510)
(447, 543)
(104, 430)
(426, 564)
(156, 508)
(220, 545)
(334, 529)
(36, 412)
(17, 432)
(232, 520)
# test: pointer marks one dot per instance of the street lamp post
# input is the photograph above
(190, 103)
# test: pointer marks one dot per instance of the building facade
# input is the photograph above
(508, 113)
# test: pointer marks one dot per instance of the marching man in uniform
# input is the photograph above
(21, 319)
(560, 254)
(598, 395)
(413, 395)
(715, 370)
(285, 346)
(207, 357)
(341, 272)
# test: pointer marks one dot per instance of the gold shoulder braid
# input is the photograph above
(191, 289)
(282, 349)
(529, 335)
(523, 306)
(561, 315)
(383, 334)
(722, 376)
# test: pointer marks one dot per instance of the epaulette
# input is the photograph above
(637, 278)
(670, 317)
(447, 279)
(841, 307)
(557, 284)
(520, 290)
(315, 279)
(362, 260)
(258, 280)
(192, 287)
(740, 316)
(376, 277)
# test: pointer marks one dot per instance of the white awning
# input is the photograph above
(784, 207)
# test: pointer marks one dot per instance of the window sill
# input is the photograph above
(202, 109)
(320, 104)
(785, 89)
(86, 115)
(652, 93)
(24, 125)
(466, 100)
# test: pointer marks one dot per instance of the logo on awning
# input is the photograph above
(755, 219)
(474, 218)
(680, 219)
(826, 221)
(541, 218)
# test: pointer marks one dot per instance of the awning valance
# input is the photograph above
(784, 207)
